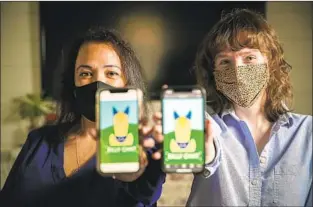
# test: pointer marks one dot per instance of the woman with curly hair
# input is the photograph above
(258, 153)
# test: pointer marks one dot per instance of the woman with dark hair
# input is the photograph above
(57, 164)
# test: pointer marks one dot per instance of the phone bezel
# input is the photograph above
(187, 89)
(97, 111)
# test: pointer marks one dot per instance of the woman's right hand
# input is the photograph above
(156, 133)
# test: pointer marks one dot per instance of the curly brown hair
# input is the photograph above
(243, 28)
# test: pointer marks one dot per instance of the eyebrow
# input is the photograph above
(247, 52)
(220, 55)
(223, 55)
(90, 68)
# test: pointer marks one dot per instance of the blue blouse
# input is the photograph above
(37, 178)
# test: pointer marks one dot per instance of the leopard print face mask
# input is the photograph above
(242, 85)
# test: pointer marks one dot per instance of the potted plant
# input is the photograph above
(32, 107)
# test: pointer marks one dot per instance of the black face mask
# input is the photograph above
(85, 97)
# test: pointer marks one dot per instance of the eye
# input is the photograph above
(250, 58)
(223, 62)
(85, 74)
(112, 74)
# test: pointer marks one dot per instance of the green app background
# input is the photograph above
(197, 125)
(197, 135)
(106, 129)
(118, 157)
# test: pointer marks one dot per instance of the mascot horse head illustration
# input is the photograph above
(182, 141)
(120, 122)
(120, 136)
(182, 127)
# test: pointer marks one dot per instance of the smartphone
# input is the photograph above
(117, 117)
(183, 118)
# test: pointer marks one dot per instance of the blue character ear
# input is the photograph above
(175, 115)
(114, 111)
(188, 115)
(126, 110)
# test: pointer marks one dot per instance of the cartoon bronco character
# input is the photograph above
(121, 137)
(183, 141)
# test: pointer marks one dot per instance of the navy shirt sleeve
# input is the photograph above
(12, 191)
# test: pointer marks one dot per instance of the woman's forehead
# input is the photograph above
(97, 52)
(244, 51)
(236, 40)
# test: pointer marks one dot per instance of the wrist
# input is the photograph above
(210, 153)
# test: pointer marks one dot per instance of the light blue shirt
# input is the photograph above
(238, 176)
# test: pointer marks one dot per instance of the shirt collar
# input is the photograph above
(230, 112)
(285, 119)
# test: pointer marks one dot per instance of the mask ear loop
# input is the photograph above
(74, 93)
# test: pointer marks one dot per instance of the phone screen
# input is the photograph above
(183, 129)
(118, 131)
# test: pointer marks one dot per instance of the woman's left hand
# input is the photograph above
(150, 137)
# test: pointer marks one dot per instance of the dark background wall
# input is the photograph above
(184, 26)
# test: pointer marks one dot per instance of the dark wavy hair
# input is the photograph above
(68, 116)
(239, 29)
